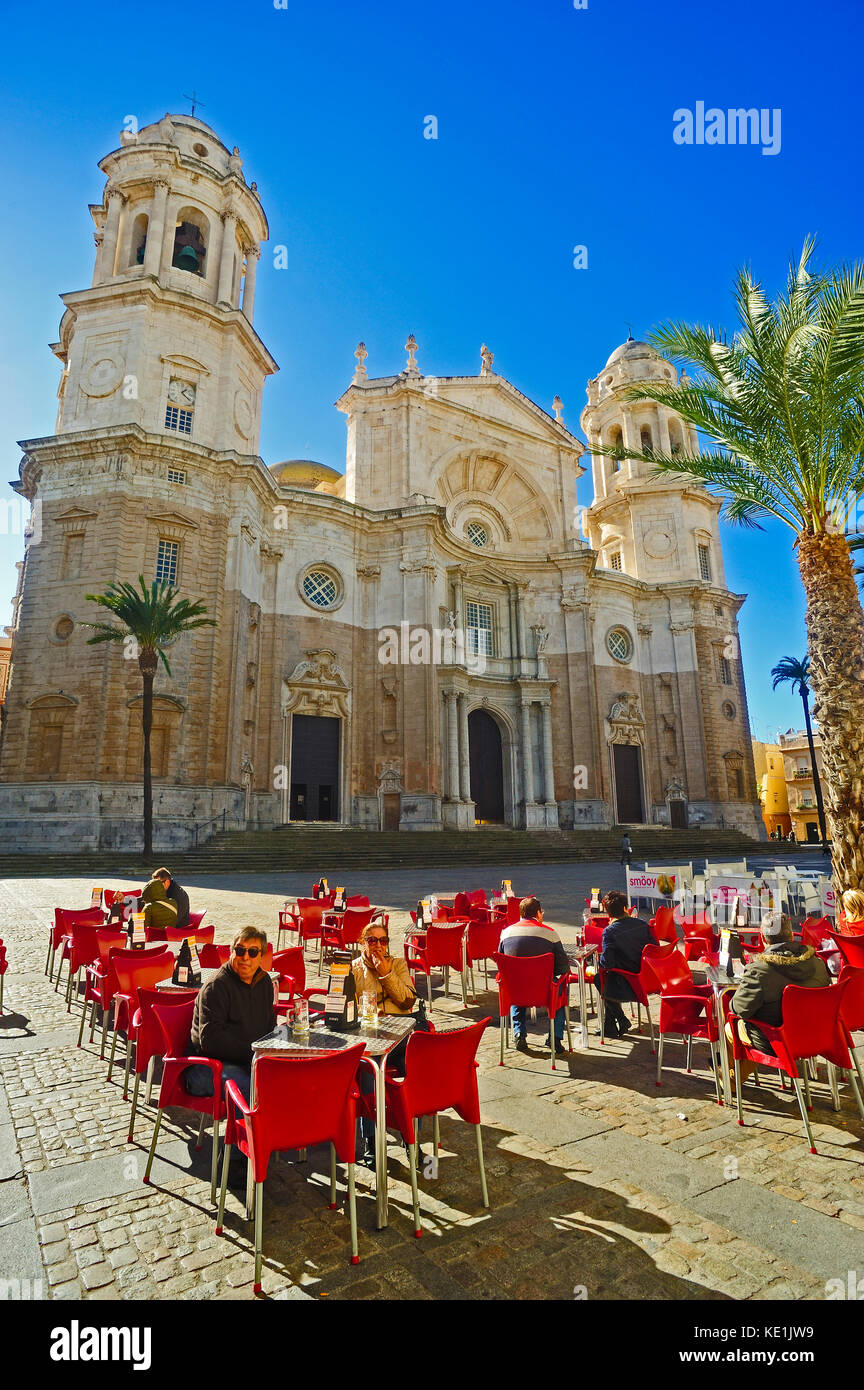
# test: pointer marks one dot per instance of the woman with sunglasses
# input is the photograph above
(388, 978)
(231, 1011)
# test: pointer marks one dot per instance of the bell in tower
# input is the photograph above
(189, 249)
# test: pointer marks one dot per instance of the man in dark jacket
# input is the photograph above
(531, 937)
(178, 896)
(623, 942)
(232, 1010)
(759, 996)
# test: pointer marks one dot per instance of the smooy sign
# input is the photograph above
(649, 885)
(829, 900)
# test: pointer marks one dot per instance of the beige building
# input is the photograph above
(771, 781)
(798, 771)
(436, 637)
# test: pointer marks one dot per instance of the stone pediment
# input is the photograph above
(166, 521)
(317, 686)
(495, 398)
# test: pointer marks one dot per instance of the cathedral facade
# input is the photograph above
(437, 637)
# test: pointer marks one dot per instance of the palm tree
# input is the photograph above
(790, 669)
(782, 403)
(150, 621)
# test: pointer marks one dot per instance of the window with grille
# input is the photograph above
(479, 625)
(725, 670)
(615, 560)
(166, 561)
(477, 534)
(177, 419)
(320, 588)
(619, 644)
(176, 475)
(704, 563)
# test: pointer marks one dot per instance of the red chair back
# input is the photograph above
(814, 930)
(65, 918)
(851, 949)
(461, 905)
(852, 1004)
(360, 900)
(291, 965)
(204, 936)
(150, 1040)
(213, 957)
(300, 1102)
(525, 981)
(444, 946)
(174, 1023)
(594, 931)
(514, 912)
(136, 970)
(669, 967)
(354, 919)
(663, 925)
(482, 940)
(811, 1022)
(195, 920)
(85, 947)
(441, 1073)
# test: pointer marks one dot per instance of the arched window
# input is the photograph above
(616, 440)
(139, 239)
(191, 238)
(645, 439)
(676, 437)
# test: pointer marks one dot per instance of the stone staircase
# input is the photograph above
(315, 850)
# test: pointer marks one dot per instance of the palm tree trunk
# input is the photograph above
(147, 664)
(817, 783)
(835, 637)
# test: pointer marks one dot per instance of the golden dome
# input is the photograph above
(318, 477)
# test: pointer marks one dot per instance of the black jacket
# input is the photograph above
(623, 941)
(230, 1015)
(181, 898)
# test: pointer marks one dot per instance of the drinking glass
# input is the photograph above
(301, 1015)
(368, 1009)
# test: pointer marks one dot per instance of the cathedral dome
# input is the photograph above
(633, 349)
(318, 477)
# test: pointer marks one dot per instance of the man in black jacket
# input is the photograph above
(623, 942)
(177, 894)
(232, 1010)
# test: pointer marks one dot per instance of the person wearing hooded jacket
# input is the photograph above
(759, 996)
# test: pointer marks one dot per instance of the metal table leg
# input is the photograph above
(724, 1049)
(583, 1006)
(380, 1145)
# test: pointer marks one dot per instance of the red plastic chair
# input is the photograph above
(481, 943)
(686, 1009)
(359, 900)
(442, 949)
(440, 1074)
(299, 1102)
(643, 986)
(527, 982)
(662, 925)
(204, 936)
(4, 966)
(212, 957)
(814, 930)
(64, 920)
(83, 951)
(852, 1010)
(700, 941)
(100, 983)
(812, 1027)
(342, 931)
(306, 919)
(851, 948)
(175, 1024)
(149, 1039)
(134, 970)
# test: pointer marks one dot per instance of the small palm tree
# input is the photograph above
(797, 673)
(782, 403)
(149, 621)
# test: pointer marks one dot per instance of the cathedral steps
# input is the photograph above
(328, 851)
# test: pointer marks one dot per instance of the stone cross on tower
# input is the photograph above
(411, 368)
(360, 373)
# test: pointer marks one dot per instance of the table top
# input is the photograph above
(718, 978)
(575, 954)
(389, 1032)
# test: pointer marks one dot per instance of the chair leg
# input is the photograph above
(134, 1107)
(153, 1145)
(333, 1202)
(484, 1191)
(259, 1222)
(201, 1123)
(806, 1086)
(415, 1195)
(804, 1108)
(83, 1021)
(113, 1049)
(250, 1191)
(659, 1057)
(501, 1027)
(835, 1089)
(738, 1092)
(464, 989)
(446, 981)
(853, 1081)
(436, 1136)
(150, 1069)
(214, 1159)
(104, 1035)
(651, 1027)
(552, 1038)
(48, 956)
(352, 1215)
(689, 1049)
(567, 1026)
(69, 979)
(128, 1064)
(715, 1069)
(220, 1214)
(602, 1011)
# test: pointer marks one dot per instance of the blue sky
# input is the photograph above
(554, 130)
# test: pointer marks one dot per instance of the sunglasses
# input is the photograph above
(250, 951)
(379, 939)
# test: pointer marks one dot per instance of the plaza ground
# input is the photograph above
(601, 1186)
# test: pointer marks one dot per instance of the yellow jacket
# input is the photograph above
(394, 992)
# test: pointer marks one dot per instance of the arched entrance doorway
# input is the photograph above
(487, 766)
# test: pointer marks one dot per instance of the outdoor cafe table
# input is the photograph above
(721, 984)
(380, 1040)
(578, 957)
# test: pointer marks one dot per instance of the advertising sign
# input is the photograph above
(642, 885)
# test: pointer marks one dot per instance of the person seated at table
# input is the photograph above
(530, 936)
(177, 895)
(231, 1011)
(759, 995)
(624, 939)
(159, 910)
(376, 972)
(853, 908)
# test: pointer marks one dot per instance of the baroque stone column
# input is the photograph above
(527, 760)
(452, 745)
(252, 255)
(464, 761)
(116, 199)
(156, 229)
(548, 769)
(226, 260)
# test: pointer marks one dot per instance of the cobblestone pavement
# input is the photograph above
(601, 1185)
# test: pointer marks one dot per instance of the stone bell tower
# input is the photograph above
(178, 237)
(655, 529)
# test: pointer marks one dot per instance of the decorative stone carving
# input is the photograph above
(317, 686)
(625, 723)
(390, 777)
(368, 571)
(411, 368)
(487, 358)
(558, 407)
(361, 376)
